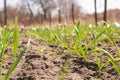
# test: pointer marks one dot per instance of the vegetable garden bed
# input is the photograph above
(68, 53)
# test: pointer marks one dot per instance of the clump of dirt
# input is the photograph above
(43, 61)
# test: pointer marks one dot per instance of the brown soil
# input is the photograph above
(43, 61)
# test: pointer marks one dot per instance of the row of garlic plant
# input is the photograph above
(79, 39)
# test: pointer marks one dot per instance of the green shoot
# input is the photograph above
(13, 66)
(99, 62)
(15, 39)
(111, 59)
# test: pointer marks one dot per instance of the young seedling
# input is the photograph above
(5, 37)
(15, 38)
(95, 38)
(3, 45)
(99, 62)
(13, 66)
(110, 58)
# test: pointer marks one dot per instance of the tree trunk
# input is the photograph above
(73, 17)
(96, 19)
(1, 18)
(5, 13)
(50, 18)
(45, 14)
(31, 13)
(105, 11)
(59, 17)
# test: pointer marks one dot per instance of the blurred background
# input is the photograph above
(31, 12)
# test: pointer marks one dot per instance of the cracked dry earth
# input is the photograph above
(43, 61)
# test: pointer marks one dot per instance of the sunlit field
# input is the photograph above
(59, 40)
(63, 51)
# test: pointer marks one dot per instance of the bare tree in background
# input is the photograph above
(37, 11)
(59, 11)
(73, 17)
(95, 6)
(50, 18)
(24, 14)
(105, 11)
(45, 8)
(46, 5)
(59, 16)
(27, 4)
(31, 12)
(1, 21)
(69, 10)
(5, 13)
(63, 6)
